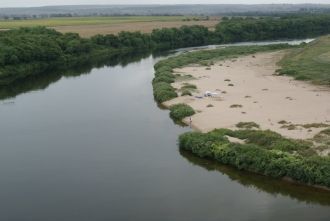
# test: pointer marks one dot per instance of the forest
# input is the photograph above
(238, 29)
(39, 50)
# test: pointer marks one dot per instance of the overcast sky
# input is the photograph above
(31, 3)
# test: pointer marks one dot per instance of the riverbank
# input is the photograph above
(264, 117)
(39, 50)
(248, 91)
(79, 131)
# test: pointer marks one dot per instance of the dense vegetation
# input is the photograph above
(180, 111)
(309, 63)
(263, 152)
(164, 76)
(269, 28)
(33, 51)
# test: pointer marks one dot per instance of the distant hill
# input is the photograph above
(102, 10)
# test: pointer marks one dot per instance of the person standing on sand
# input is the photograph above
(190, 120)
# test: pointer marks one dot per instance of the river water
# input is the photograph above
(96, 146)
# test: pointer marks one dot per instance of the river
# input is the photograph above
(96, 146)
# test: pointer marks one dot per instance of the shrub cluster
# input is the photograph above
(163, 91)
(180, 111)
(201, 144)
(264, 152)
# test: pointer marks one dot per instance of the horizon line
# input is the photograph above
(163, 4)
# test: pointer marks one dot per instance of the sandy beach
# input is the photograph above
(248, 91)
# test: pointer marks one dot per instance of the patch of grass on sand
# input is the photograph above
(207, 63)
(290, 126)
(187, 77)
(323, 137)
(187, 86)
(236, 106)
(247, 125)
(186, 93)
(311, 62)
(187, 89)
(314, 125)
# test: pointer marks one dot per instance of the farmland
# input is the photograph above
(89, 26)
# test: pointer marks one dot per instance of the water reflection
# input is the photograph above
(262, 183)
(41, 82)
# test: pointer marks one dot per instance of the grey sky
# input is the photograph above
(31, 3)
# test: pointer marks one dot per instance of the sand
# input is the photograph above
(265, 98)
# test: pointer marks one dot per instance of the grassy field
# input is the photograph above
(89, 26)
(309, 63)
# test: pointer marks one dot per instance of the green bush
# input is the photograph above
(162, 78)
(253, 156)
(201, 144)
(162, 94)
(180, 111)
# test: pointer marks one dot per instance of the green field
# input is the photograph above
(73, 21)
(309, 63)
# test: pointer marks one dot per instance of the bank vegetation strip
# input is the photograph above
(37, 50)
(261, 151)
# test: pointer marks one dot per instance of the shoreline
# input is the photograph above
(245, 87)
(264, 98)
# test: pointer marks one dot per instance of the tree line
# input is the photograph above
(33, 51)
(239, 29)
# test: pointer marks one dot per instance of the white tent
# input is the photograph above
(210, 93)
